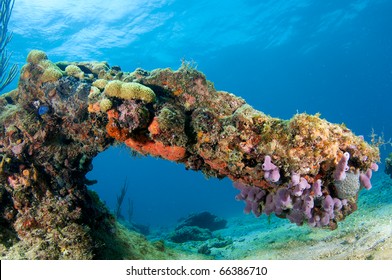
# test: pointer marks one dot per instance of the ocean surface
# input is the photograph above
(281, 56)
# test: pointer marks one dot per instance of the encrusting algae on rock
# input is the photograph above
(59, 118)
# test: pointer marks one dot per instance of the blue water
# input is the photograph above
(282, 56)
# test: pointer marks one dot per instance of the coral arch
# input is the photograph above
(63, 114)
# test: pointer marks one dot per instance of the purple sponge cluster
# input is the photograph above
(252, 196)
(299, 201)
(306, 202)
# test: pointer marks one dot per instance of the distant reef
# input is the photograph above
(63, 114)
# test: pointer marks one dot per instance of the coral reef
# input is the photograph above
(53, 125)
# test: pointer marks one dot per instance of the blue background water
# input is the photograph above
(282, 56)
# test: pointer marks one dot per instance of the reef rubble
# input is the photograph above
(63, 114)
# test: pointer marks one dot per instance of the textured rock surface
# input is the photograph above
(56, 122)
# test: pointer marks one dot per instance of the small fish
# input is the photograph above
(42, 110)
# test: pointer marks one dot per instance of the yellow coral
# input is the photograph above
(35, 56)
(100, 83)
(113, 88)
(74, 71)
(105, 105)
(51, 74)
(129, 91)
(45, 63)
(137, 91)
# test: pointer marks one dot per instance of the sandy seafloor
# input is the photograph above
(365, 234)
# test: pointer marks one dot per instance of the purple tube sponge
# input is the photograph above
(337, 204)
(309, 202)
(308, 206)
(328, 205)
(268, 165)
(316, 188)
(269, 205)
(369, 173)
(252, 194)
(374, 166)
(364, 179)
(298, 202)
(283, 199)
(256, 209)
(271, 171)
(342, 167)
(248, 207)
(302, 185)
(295, 179)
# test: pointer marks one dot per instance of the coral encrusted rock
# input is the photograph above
(59, 119)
